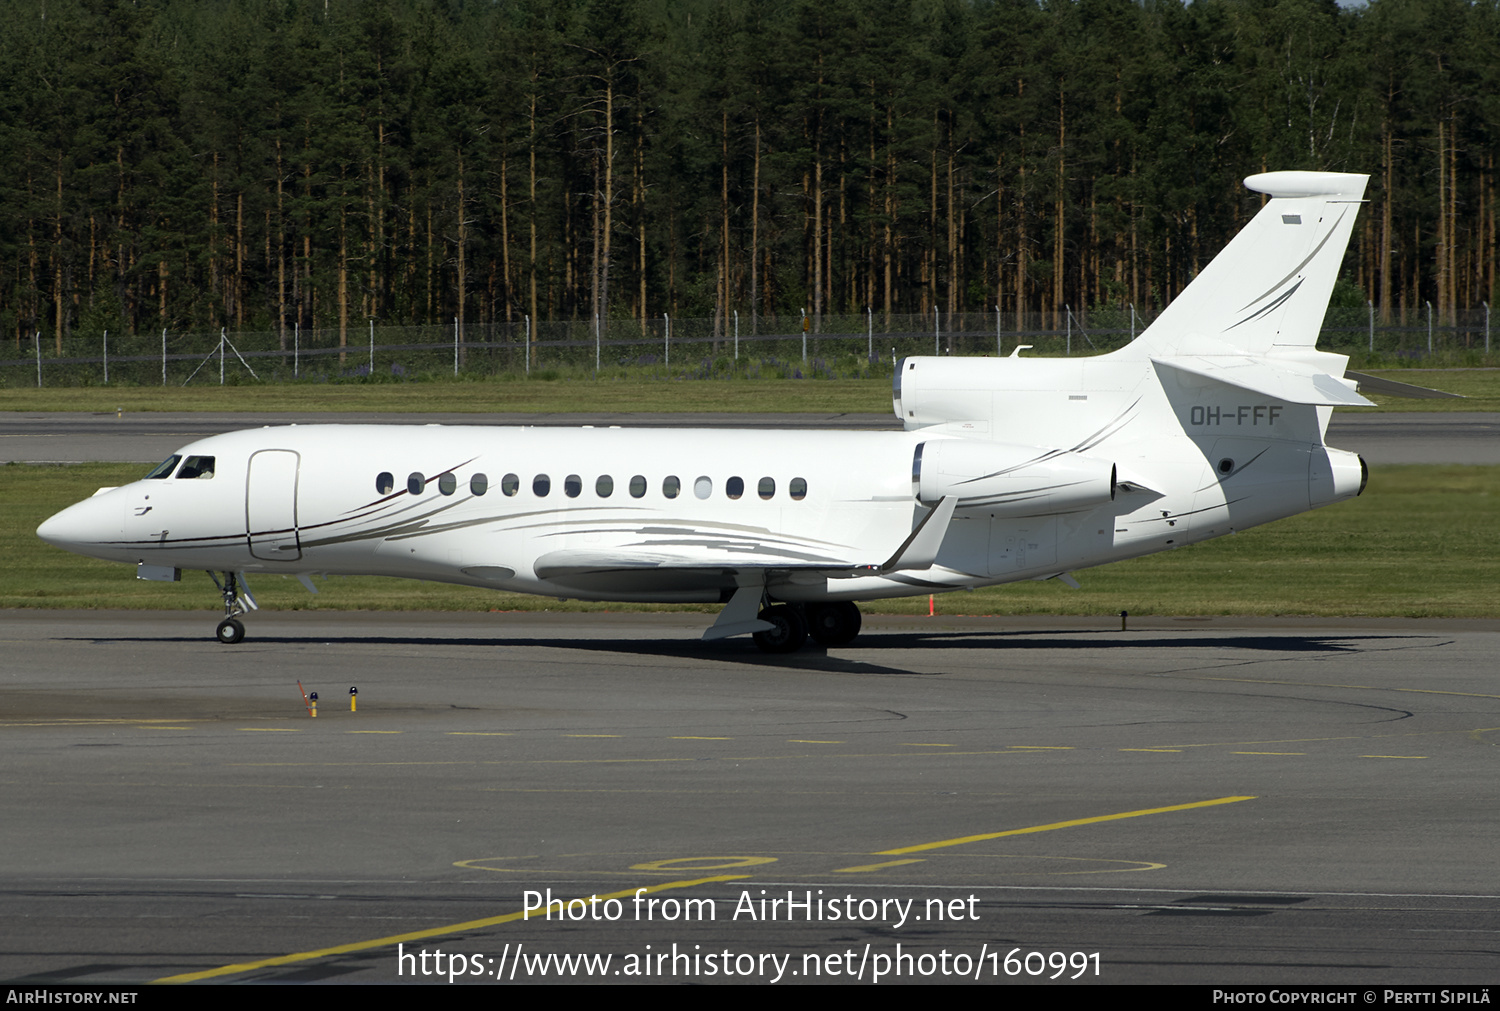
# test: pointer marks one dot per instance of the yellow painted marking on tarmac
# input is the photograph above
(1392, 756)
(143, 722)
(373, 731)
(695, 864)
(908, 744)
(1268, 752)
(703, 738)
(163, 728)
(271, 730)
(1037, 747)
(962, 840)
(1164, 751)
(795, 741)
(867, 868)
(609, 761)
(420, 935)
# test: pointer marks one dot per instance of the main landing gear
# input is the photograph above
(237, 601)
(834, 624)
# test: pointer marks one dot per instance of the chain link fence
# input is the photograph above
(831, 346)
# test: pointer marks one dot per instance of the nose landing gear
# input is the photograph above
(238, 600)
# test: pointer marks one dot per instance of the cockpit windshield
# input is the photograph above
(197, 467)
(165, 468)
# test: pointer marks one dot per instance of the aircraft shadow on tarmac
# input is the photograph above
(818, 659)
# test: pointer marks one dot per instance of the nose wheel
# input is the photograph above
(237, 601)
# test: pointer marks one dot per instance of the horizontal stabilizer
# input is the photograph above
(1281, 379)
(1392, 388)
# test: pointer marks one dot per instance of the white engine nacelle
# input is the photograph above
(1010, 480)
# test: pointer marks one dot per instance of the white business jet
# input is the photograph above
(1008, 468)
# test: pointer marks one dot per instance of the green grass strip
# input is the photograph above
(622, 394)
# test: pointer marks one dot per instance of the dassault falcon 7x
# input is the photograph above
(1008, 468)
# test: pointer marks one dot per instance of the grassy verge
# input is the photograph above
(477, 397)
(1480, 387)
(1422, 541)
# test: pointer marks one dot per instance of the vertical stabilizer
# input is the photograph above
(1267, 292)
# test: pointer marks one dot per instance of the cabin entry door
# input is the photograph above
(271, 505)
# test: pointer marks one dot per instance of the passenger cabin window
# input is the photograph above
(479, 484)
(510, 484)
(767, 487)
(671, 486)
(734, 487)
(703, 487)
(797, 489)
(637, 486)
(541, 485)
(447, 484)
(197, 467)
(163, 469)
(572, 485)
(384, 482)
(415, 482)
(605, 486)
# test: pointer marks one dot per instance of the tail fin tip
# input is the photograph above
(1292, 184)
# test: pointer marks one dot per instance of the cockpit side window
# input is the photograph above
(197, 467)
(163, 469)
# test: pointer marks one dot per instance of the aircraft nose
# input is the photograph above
(81, 526)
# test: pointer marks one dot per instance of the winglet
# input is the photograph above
(920, 550)
(738, 616)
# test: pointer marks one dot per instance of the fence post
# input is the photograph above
(38, 340)
(296, 349)
(1069, 347)
(528, 345)
(372, 348)
(804, 336)
(106, 358)
(666, 340)
(1132, 321)
(1370, 306)
(869, 334)
(164, 356)
(937, 332)
(455, 347)
(596, 345)
(736, 335)
(1429, 328)
(221, 356)
(999, 349)
(1486, 328)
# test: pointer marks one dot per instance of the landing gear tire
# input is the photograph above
(833, 624)
(788, 631)
(230, 631)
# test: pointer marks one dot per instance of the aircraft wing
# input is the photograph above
(632, 568)
(626, 569)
